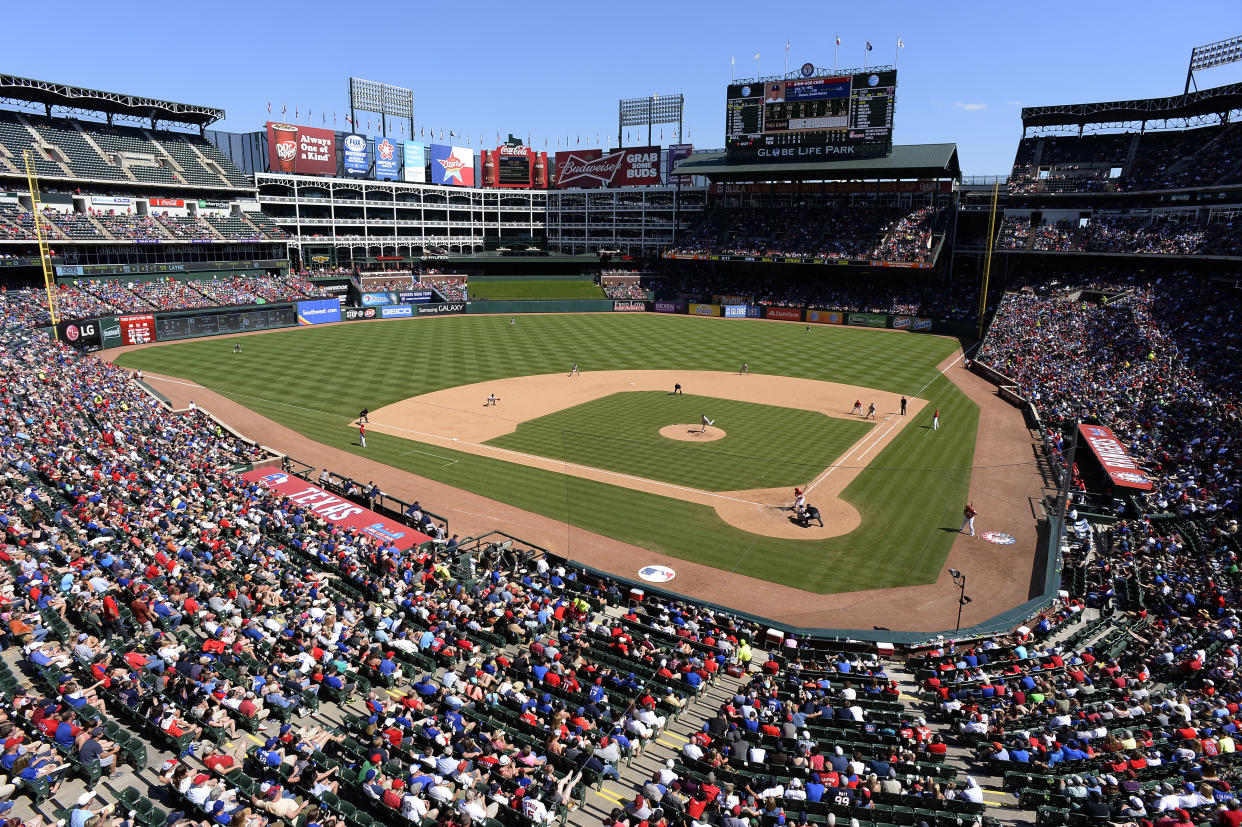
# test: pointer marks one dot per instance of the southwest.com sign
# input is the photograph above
(320, 311)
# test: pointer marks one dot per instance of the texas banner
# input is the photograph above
(336, 510)
(453, 165)
(591, 168)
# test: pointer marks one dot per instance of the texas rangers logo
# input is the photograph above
(656, 574)
(999, 537)
(273, 480)
(1128, 476)
(385, 150)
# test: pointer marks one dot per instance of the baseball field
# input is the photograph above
(614, 451)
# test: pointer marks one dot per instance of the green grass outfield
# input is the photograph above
(316, 380)
(765, 446)
(519, 290)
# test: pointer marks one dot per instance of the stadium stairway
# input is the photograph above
(42, 143)
(86, 137)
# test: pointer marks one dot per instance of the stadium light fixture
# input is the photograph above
(382, 99)
(1211, 55)
(653, 109)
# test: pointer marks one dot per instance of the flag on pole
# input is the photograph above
(349, 119)
(295, 112)
(900, 44)
(838, 40)
(868, 45)
(284, 109)
(269, 106)
(334, 117)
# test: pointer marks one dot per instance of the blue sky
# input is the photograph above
(558, 68)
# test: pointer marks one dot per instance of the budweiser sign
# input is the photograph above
(591, 168)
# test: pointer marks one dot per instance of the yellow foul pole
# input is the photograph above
(46, 260)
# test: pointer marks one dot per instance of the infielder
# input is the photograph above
(745, 368)
(492, 400)
(362, 434)
(968, 519)
(706, 422)
(677, 389)
(574, 371)
(857, 409)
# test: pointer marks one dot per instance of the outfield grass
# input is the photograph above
(765, 446)
(316, 380)
(521, 290)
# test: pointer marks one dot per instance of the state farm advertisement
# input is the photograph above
(300, 149)
(591, 168)
(336, 510)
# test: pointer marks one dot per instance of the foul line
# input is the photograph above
(174, 381)
(565, 464)
(448, 460)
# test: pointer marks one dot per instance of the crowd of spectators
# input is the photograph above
(452, 289)
(818, 231)
(625, 290)
(1205, 156)
(1140, 234)
(104, 297)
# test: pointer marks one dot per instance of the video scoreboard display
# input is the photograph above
(513, 170)
(807, 119)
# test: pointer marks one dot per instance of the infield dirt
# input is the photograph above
(457, 418)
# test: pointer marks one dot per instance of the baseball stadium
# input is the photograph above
(358, 477)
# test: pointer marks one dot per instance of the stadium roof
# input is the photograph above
(14, 89)
(905, 161)
(1216, 101)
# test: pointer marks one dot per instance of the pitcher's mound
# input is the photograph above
(692, 433)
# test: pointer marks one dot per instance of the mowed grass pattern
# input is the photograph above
(316, 380)
(765, 446)
(535, 290)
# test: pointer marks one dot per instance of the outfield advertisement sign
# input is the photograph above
(110, 332)
(439, 308)
(901, 323)
(386, 162)
(866, 320)
(669, 307)
(84, 335)
(787, 314)
(396, 311)
(923, 325)
(825, 317)
(415, 162)
(395, 297)
(340, 512)
(357, 156)
(300, 149)
(1115, 459)
(359, 314)
(696, 309)
(592, 168)
(319, 311)
(629, 307)
(452, 165)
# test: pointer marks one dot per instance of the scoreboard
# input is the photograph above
(807, 119)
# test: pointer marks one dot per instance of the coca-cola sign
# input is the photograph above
(591, 168)
(515, 151)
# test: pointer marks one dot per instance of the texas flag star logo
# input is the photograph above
(457, 165)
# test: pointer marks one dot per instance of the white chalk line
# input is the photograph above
(174, 381)
(877, 433)
(448, 460)
(574, 465)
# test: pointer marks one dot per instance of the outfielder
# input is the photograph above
(936, 420)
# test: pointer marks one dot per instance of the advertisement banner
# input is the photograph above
(110, 201)
(396, 311)
(719, 298)
(901, 322)
(166, 202)
(825, 317)
(378, 299)
(788, 314)
(357, 157)
(440, 308)
(83, 335)
(300, 149)
(110, 333)
(319, 311)
(338, 511)
(734, 311)
(1112, 455)
(669, 307)
(138, 329)
(866, 320)
(412, 296)
(696, 309)
(923, 325)
(415, 162)
(629, 307)
(676, 154)
(591, 168)
(513, 166)
(452, 165)
(385, 159)
(359, 314)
